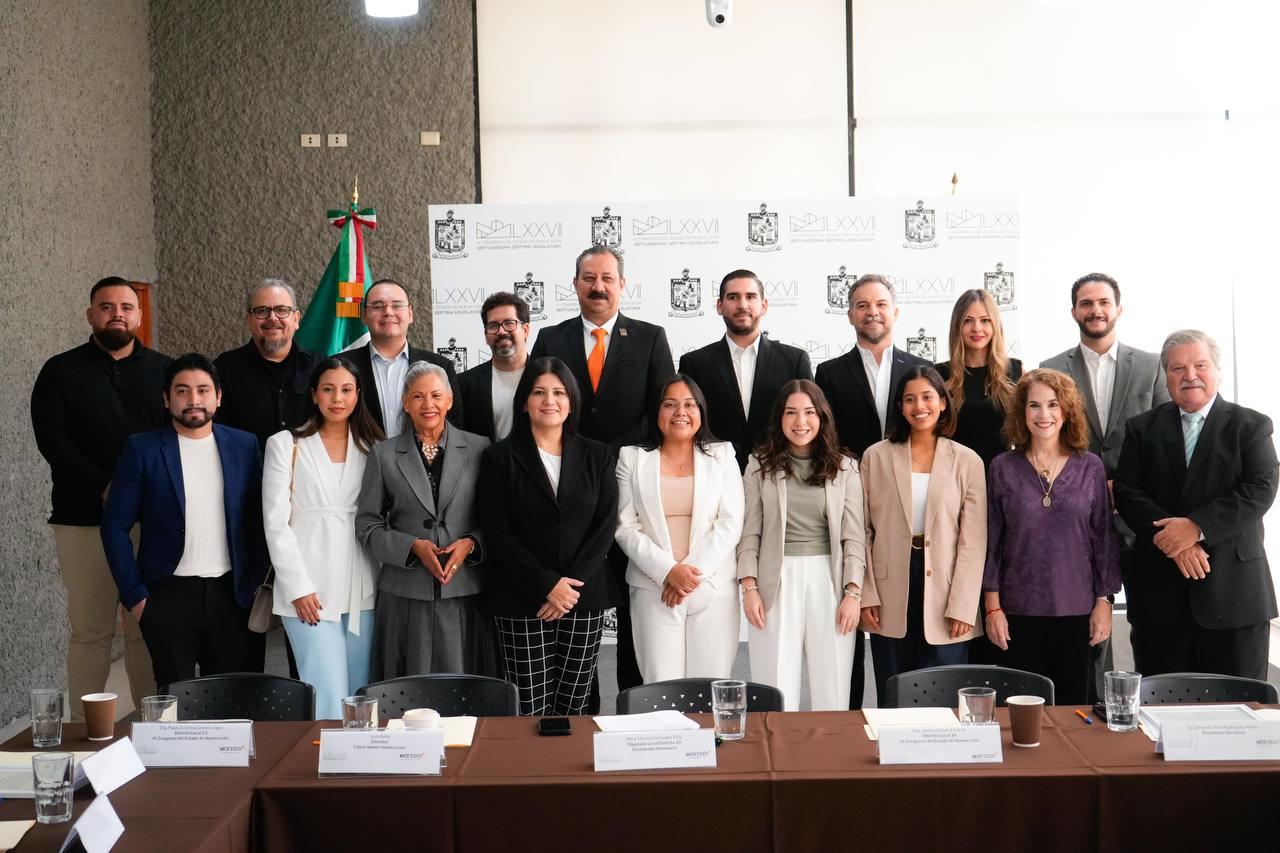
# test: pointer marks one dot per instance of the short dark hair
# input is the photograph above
(1094, 278)
(597, 250)
(703, 438)
(503, 297)
(191, 361)
(898, 429)
(110, 281)
(535, 368)
(736, 274)
(873, 278)
(389, 281)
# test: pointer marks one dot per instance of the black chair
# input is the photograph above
(935, 687)
(450, 694)
(1175, 688)
(691, 695)
(244, 696)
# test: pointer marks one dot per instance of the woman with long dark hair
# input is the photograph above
(680, 509)
(324, 584)
(801, 559)
(550, 512)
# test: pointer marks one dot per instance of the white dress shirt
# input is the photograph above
(503, 391)
(744, 367)
(1102, 378)
(589, 343)
(388, 375)
(879, 377)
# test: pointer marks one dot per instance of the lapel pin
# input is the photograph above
(622, 332)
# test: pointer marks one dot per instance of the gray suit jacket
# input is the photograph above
(396, 507)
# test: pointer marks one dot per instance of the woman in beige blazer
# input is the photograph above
(926, 534)
(802, 556)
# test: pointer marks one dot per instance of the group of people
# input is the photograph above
(418, 521)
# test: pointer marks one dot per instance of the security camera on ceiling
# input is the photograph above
(719, 12)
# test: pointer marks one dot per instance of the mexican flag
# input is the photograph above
(333, 320)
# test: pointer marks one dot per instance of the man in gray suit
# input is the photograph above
(1117, 382)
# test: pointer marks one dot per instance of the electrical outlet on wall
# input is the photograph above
(310, 140)
(337, 140)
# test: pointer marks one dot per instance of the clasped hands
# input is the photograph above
(680, 582)
(1179, 540)
(429, 554)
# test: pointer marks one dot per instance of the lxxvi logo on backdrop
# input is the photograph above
(762, 231)
(1000, 285)
(923, 346)
(921, 228)
(451, 238)
(782, 293)
(675, 231)
(810, 227)
(991, 223)
(457, 301)
(606, 230)
(517, 234)
(456, 354)
(686, 296)
(838, 291)
(534, 293)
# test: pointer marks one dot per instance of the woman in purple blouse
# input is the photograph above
(1053, 561)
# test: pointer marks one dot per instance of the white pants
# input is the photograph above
(803, 619)
(697, 638)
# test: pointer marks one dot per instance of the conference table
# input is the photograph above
(797, 781)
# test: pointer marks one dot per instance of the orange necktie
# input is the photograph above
(595, 361)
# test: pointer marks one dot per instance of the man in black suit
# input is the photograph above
(741, 374)
(385, 360)
(858, 386)
(489, 387)
(618, 363)
(1196, 476)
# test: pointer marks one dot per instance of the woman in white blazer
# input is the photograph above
(324, 583)
(680, 506)
(801, 560)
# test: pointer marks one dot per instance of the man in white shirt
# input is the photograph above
(489, 388)
(194, 487)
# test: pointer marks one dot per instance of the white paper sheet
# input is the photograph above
(654, 721)
(877, 717)
(11, 832)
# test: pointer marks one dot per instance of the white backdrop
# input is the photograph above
(676, 252)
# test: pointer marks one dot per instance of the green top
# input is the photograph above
(807, 534)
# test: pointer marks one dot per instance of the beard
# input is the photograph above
(192, 418)
(1097, 336)
(743, 325)
(113, 338)
(874, 334)
(504, 347)
(273, 345)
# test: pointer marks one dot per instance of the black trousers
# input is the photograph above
(628, 669)
(1190, 647)
(190, 621)
(1054, 646)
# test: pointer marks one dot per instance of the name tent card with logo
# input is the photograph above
(194, 743)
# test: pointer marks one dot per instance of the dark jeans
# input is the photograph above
(892, 656)
(190, 621)
(1056, 647)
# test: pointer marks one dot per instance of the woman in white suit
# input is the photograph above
(680, 506)
(324, 583)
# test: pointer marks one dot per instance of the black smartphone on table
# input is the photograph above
(553, 726)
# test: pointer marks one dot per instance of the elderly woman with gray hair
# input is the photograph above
(417, 517)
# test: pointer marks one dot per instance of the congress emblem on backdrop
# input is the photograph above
(923, 346)
(762, 231)
(606, 231)
(1000, 285)
(456, 354)
(535, 293)
(922, 228)
(451, 238)
(838, 291)
(686, 296)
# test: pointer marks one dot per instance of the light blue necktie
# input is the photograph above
(1191, 423)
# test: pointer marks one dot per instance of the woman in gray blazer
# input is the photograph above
(416, 517)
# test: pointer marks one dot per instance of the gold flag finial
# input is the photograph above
(955, 182)
(355, 192)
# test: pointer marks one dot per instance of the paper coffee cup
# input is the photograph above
(421, 718)
(100, 715)
(1026, 715)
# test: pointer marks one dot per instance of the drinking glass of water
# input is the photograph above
(1122, 695)
(52, 774)
(46, 717)
(729, 708)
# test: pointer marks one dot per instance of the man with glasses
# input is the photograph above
(385, 360)
(489, 388)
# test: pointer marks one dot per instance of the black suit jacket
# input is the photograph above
(844, 381)
(1228, 487)
(637, 360)
(712, 368)
(537, 536)
(369, 385)
(476, 389)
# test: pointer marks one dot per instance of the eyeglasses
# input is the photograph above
(506, 325)
(379, 307)
(262, 312)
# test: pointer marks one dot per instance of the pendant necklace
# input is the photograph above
(1049, 477)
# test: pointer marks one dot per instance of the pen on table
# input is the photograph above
(1082, 715)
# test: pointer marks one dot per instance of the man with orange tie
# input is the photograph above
(619, 363)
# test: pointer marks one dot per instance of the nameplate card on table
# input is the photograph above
(110, 768)
(98, 828)
(978, 744)
(194, 743)
(1242, 740)
(381, 752)
(655, 750)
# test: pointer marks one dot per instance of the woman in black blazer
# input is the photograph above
(550, 510)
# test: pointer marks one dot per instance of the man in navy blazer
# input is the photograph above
(195, 489)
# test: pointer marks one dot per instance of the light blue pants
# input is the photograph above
(331, 659)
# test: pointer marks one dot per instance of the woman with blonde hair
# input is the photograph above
(980, 375)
